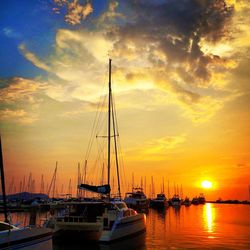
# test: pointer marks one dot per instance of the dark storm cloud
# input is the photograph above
(175, 28)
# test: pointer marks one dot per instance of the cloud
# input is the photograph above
(76, 12)
(165, 143)
(20, 99)
(33, 58)
(107, 18)
(9, 32)
(204, 110)
(174, 28)
(76, 68)
(79, 111)
(18, 89)
(172, 48)
(79, 61)
(17, 115)
(158, 148)
(7, 113)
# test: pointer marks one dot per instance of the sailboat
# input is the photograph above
(99, 219)
(12, 237)
(160, 201)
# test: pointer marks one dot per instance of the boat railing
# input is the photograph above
(74, 219)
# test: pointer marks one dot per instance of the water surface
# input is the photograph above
(209, 226)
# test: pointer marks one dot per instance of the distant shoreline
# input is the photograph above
(229, 202)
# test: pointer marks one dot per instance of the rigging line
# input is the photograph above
(93, 131)
(97, 125)
(97, 112)
(100, 150)
(119, 144)
(120, 157)
(91, 136)
(101, 124)
(94, 127)
(122, 162)
(115, 147)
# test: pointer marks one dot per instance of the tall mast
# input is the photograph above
(3, 183)
(109, 121)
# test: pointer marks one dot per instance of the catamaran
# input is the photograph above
(103, 219)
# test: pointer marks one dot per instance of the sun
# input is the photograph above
(206, 184)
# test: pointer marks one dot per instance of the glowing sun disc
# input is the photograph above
(206, 184)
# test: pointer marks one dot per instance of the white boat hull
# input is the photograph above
(125, 227)
(21, 238)
(115, 228)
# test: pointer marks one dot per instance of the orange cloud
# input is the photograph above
(20, 89)
(20, 100)
(76, 12)
(157, 149)
(17, 115)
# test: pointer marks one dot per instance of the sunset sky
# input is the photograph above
(180, 80)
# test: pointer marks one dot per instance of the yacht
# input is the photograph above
(176, 201)
(97, 220)
(187, 202)
(202, 199)
(159, 202)
(195, 201)
(12, 237)
(199, 200)
(100, 219)
(137, 200)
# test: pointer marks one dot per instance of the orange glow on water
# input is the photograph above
(209, 217)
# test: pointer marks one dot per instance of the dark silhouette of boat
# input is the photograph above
(159, 202)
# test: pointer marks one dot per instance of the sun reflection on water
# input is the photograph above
(208, 215)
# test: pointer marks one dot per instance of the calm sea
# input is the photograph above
(209, 226)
